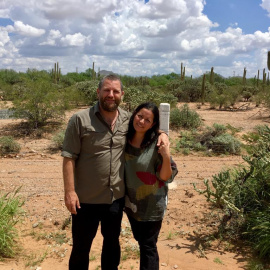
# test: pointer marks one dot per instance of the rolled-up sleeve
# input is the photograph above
(72, 140)
(174, 170)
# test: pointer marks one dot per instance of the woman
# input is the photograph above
(148, 170)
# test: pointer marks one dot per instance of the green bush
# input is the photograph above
(188, 142)
(58, 139)
(219, 141)
(39, 102)
(136, 95)
(225, 144)
(258, 231)
(244, 194)
(9, 146)
(11, 213)
(185, 118)
(215, 139)
(88, 89)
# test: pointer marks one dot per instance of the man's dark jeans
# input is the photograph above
(84, 228)
(146, 233)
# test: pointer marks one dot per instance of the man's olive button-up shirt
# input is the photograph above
(99, 155)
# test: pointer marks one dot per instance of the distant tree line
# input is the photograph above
(39, 96)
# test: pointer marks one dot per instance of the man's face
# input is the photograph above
(110, 95)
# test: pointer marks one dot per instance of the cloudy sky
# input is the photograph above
(136, 37)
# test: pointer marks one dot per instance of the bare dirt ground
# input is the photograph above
(45, 244)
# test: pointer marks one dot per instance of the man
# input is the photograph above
(93, 172)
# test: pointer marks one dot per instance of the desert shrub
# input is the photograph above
(244, 193)
(58, 139)
(215, 139)
(188, 142)
(11, 213)
(10, 76)
(9, 146)
(184, 117)
(88, 89)
(223, 96)
(39, 102)
(186, 91)
(218, 140)
(258, 231)
(139, 94)
(226, 144)
(246, 95)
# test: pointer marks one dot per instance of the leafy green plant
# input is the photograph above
(66, 223)
(57, 237)
(135, 95)
(92, 257)
(88, 90)
(58, 139)
(258, 230)
(39, 102)
(34, 259)
(226, 144)
(219, 141)
(222, 190)
(11, 213)
(243, 194)
(214, 139)
(171, 235)
(131, 251)
(9, 146)
(218, 261)
(184, 117)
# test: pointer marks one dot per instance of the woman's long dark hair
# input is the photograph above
(150, 134)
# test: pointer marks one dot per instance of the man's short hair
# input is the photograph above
(111, 77)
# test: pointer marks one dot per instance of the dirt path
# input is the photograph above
(180, 243)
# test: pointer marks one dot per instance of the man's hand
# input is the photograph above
(71, 198)
(72, 202)
(163, 139)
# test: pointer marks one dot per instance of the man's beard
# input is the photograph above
(109, 107)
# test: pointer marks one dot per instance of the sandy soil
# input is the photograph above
(182, 242)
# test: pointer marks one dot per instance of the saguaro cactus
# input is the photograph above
(212, 75)
(268, 60)
(183, 71)
(264, 79)
(258, 78)
(93, 72)
(56, 72)
(203, 89)
(244, 76)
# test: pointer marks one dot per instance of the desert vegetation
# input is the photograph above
(240, 197)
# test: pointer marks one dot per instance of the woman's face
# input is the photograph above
(143, 120)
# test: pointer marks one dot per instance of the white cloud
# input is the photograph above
(53, 36)
(126, 36)
(25, 30)
(75, 40)
(266, 5)
(4, 13)
(4, 38)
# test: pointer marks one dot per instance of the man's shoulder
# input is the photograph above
(82, 113)
(124, 113)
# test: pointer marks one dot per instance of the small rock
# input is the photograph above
(35, 225)
(164, 264)
(175, 266)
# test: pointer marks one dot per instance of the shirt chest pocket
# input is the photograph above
(95, 140)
